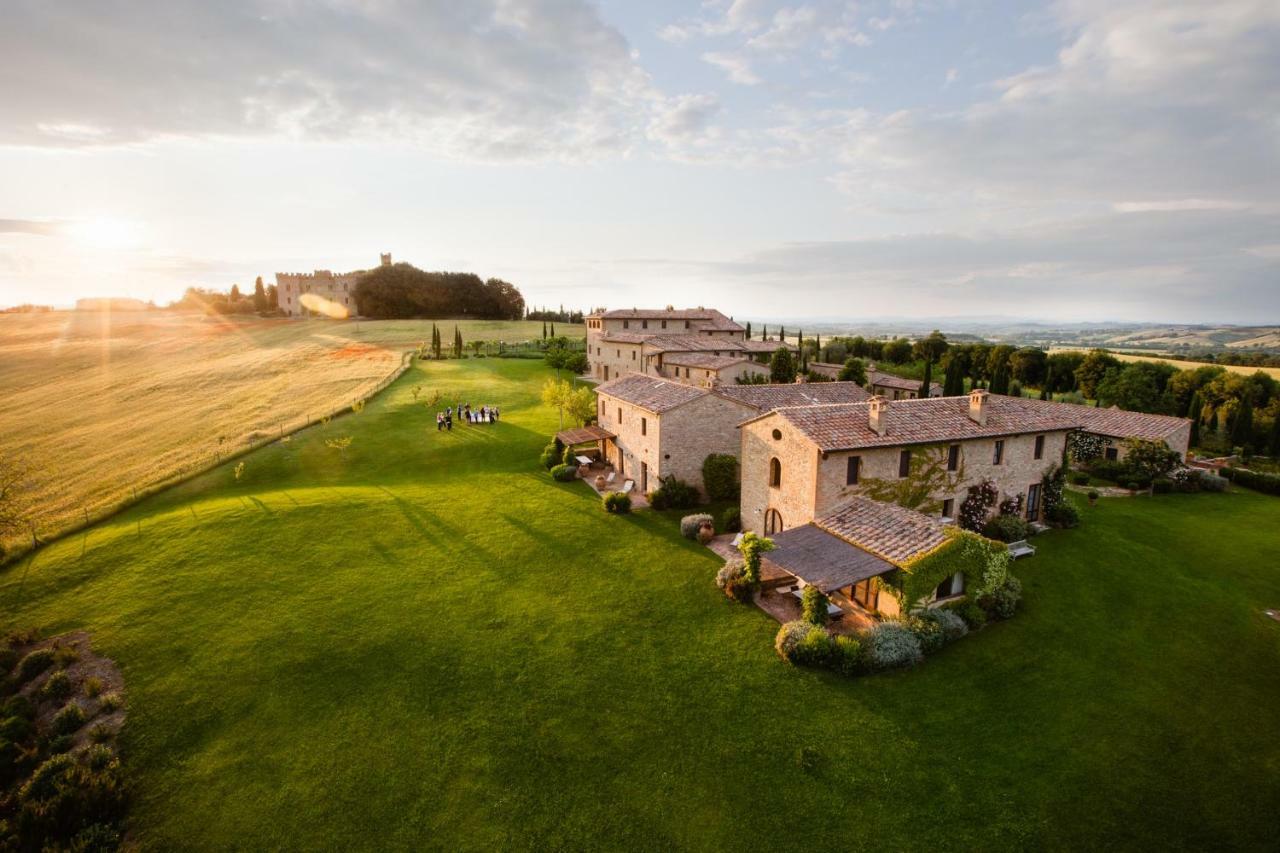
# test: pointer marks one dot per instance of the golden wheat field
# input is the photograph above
(98, 404)
(1274, 372)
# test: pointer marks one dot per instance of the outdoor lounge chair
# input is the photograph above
(628, 486)
(1021, 548)
(609, 480)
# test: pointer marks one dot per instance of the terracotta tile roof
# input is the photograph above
(891, 532)
(650, 392)
(888, 380)
(581, 435)
(625, 338)
(938, 419)
(823, 560)
(691, 343)
(701, 360)
(1118, 423)
(705, 318)
(763, 398)
(928, 420)
(765, 346)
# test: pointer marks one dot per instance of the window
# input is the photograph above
(633, 355)
(664, 324)
(851, 473)
(772, 522)
(998, 456)
(1039, 446)
(949, 508)
(626, 324)
(686, 324)
(644, 426)
(644, 324)
(617, 353)
(775, 472)
(1112, 454)
(953, 585)
(619, 414)
(953, 457)
(904, 463)
(777, 435)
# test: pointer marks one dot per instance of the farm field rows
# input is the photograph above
(98, 403)
(429, 644)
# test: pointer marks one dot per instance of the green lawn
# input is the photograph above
(430, 645)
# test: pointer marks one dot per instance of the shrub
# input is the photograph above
(99, 733)
(673, 494)
(891, 645)
(1064, 514)
(732, 578)
(690, 524)
(15, 728)
(617, 503)
(928, 633)
(19, 706)
(44, 782)
(1080, 478)
(98, 757)
(1212, 482)
(1133, 486)
(61, 743)
(566, 458)
(69, 719)
(1002, 602)
(720, 476)
(1161, 486)
(1109, 469)
(731, 520)
(57, 687)
(564, 473)
(951, 625)
(1093, 494)
(846, 656)
(972, 615)
(789, 637)
(92, 686)
(803, 644)
(813, 605)
(550, 456)
(33, 664)
(64, 656)
(1005, 528)
(1266, 483)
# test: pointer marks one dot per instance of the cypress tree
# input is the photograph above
(764, 333)
(544, 330)
(457, 342)
(1242, 429)
(782, 334)
(1000, 379)
(1195, 411)
(817, 346)
(1273, 441)
(953, 383)
(748, 330)
(553, 330)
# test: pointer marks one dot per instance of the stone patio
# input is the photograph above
(588, 475)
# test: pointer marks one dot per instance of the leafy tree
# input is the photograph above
(1149, 459)
(897, 351)
(1092, 370)
(854, 370)
(782, 367)
(579, 403)
(1028, 365)
(402, 290)
(1273, 439)
(929, 350)
(235, 293)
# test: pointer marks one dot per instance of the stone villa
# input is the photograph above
(321, 293)
(700, 346)
(654, 427)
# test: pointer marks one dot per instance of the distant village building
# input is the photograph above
(656, 342)
(879, 382)
(314, 294)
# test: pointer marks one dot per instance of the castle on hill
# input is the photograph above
(338, 289)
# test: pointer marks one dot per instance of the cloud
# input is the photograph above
(736, 67)
(483, 79)
(40, 227)
(685, 117)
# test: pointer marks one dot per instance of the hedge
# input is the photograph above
(1266, 483)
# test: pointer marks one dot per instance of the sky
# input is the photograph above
(1083, 160)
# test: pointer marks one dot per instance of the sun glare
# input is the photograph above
(107, 233)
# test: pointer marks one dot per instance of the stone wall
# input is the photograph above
(798, 456)
(619, 358)
(692, 432)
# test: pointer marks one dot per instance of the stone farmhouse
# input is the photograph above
(652, 427)
(321, 293)
(822, 480)
(708, 371)
(879, 382)
(644, 340)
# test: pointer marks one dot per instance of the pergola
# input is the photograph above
(590, 434)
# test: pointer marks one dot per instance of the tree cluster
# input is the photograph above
(402, 291)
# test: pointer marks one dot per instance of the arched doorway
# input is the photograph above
(772, 522)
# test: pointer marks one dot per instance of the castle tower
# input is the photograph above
(386, 259)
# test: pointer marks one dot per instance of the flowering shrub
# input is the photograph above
(732, 579)
(891, 645)
(792, 636)
(949, 623)
(690, 524)
(1011, 506)
(974, 508)
(1085, 446)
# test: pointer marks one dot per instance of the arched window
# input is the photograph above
(775, 472)
(772, 522)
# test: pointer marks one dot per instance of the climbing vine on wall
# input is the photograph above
(928, 476)
(976, 505)
(1084, 446)
(983, 563)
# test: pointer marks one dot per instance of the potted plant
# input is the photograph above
(599, 482)
(1093, 497)
(706, 532)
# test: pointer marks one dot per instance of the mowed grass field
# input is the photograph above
(431, 645)
(98, 404)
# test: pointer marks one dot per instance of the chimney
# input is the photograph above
(878, 415)
(978, 406)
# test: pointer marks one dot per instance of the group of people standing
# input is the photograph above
(466, 414)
